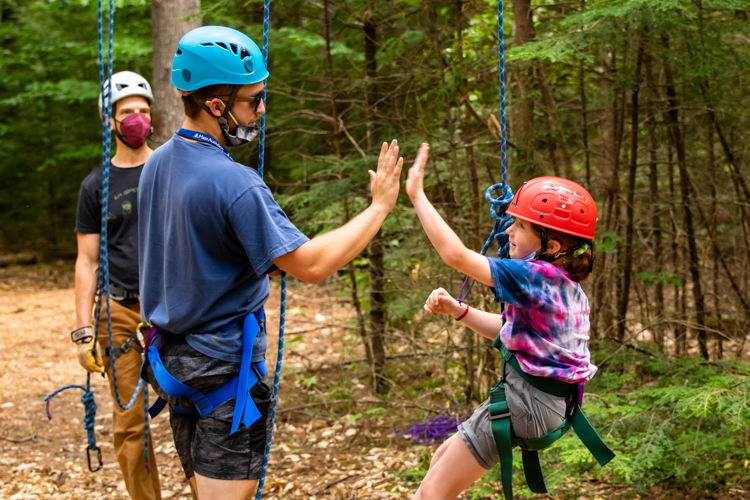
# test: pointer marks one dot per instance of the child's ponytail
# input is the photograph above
(577, 263)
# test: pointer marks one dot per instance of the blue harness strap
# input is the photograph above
(244, 405)
(238, 387)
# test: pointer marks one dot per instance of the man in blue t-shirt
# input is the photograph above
(210, 234)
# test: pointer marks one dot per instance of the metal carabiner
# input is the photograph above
(98, 456)
(139, 332)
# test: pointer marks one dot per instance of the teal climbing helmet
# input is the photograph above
(212, 55)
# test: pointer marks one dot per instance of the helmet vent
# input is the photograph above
(121, 86)
(143, 86)
(222, 45)
(244, 54)
(544, 200)
(234, 48)
(207, 44)
(179, 52)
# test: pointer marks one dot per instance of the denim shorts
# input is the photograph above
(204, 444)
(533, 414)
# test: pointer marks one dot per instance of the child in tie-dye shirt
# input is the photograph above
(545, 325)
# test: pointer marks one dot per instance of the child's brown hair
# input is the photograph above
(578, 267)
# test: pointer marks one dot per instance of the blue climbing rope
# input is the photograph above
(282, 311)
(103, 279)
(498, 205)
(262, 135)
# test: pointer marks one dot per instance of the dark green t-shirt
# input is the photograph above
(122, 220)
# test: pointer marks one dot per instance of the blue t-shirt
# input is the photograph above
(209, 230)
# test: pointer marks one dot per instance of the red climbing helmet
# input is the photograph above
(556, 203)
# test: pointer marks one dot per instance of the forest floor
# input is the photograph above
(324, 446)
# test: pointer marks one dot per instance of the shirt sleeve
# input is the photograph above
(89, 211)
(263, 229)
(517, 282)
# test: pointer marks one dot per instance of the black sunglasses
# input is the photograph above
(255, 99)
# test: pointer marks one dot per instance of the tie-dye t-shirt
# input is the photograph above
(547, 319)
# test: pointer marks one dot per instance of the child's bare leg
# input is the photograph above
(453, 469)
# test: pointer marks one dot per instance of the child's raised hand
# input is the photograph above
(441, 302)
(416, 172)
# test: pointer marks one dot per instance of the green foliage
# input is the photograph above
(49, 122)
(607, 242)
(684, 421)
(664, 276)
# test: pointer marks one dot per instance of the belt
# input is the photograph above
(118, 293)
(115, 352)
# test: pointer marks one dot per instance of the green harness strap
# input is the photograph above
(500, 420)
(505, 439)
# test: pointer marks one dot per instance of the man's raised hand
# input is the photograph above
(385, 183)
(414, 181)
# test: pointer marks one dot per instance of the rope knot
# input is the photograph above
(90, 408)
(503, 221)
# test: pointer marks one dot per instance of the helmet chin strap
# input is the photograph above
(223, 123)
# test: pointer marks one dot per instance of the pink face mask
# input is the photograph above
(134, 130)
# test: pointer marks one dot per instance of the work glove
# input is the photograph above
(84, 339)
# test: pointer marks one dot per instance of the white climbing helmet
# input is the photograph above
(124, 84)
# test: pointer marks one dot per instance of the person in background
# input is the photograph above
(131, 111)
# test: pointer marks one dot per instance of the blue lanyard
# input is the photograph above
(199, 136)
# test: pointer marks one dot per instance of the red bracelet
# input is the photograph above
(464, 314)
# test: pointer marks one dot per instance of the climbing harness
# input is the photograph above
(505, 438)
(103, 281)
(502, 431)
(238, 387)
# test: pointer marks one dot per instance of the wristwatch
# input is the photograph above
(82, 335)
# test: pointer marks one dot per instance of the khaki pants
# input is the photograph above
(127, 426)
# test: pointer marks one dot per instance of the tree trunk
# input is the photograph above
(558, 137)
(674, 124)
(167, 113)
(711, 226)
(678, 329)
(523, 31)
(474, 182)
(377, 282)
(602, 316)
(371, 72)
(627, 261)
(653, 183)
(377, 309)
(351, 271)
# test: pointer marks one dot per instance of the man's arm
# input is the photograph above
(329, 252)
(87, 270)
